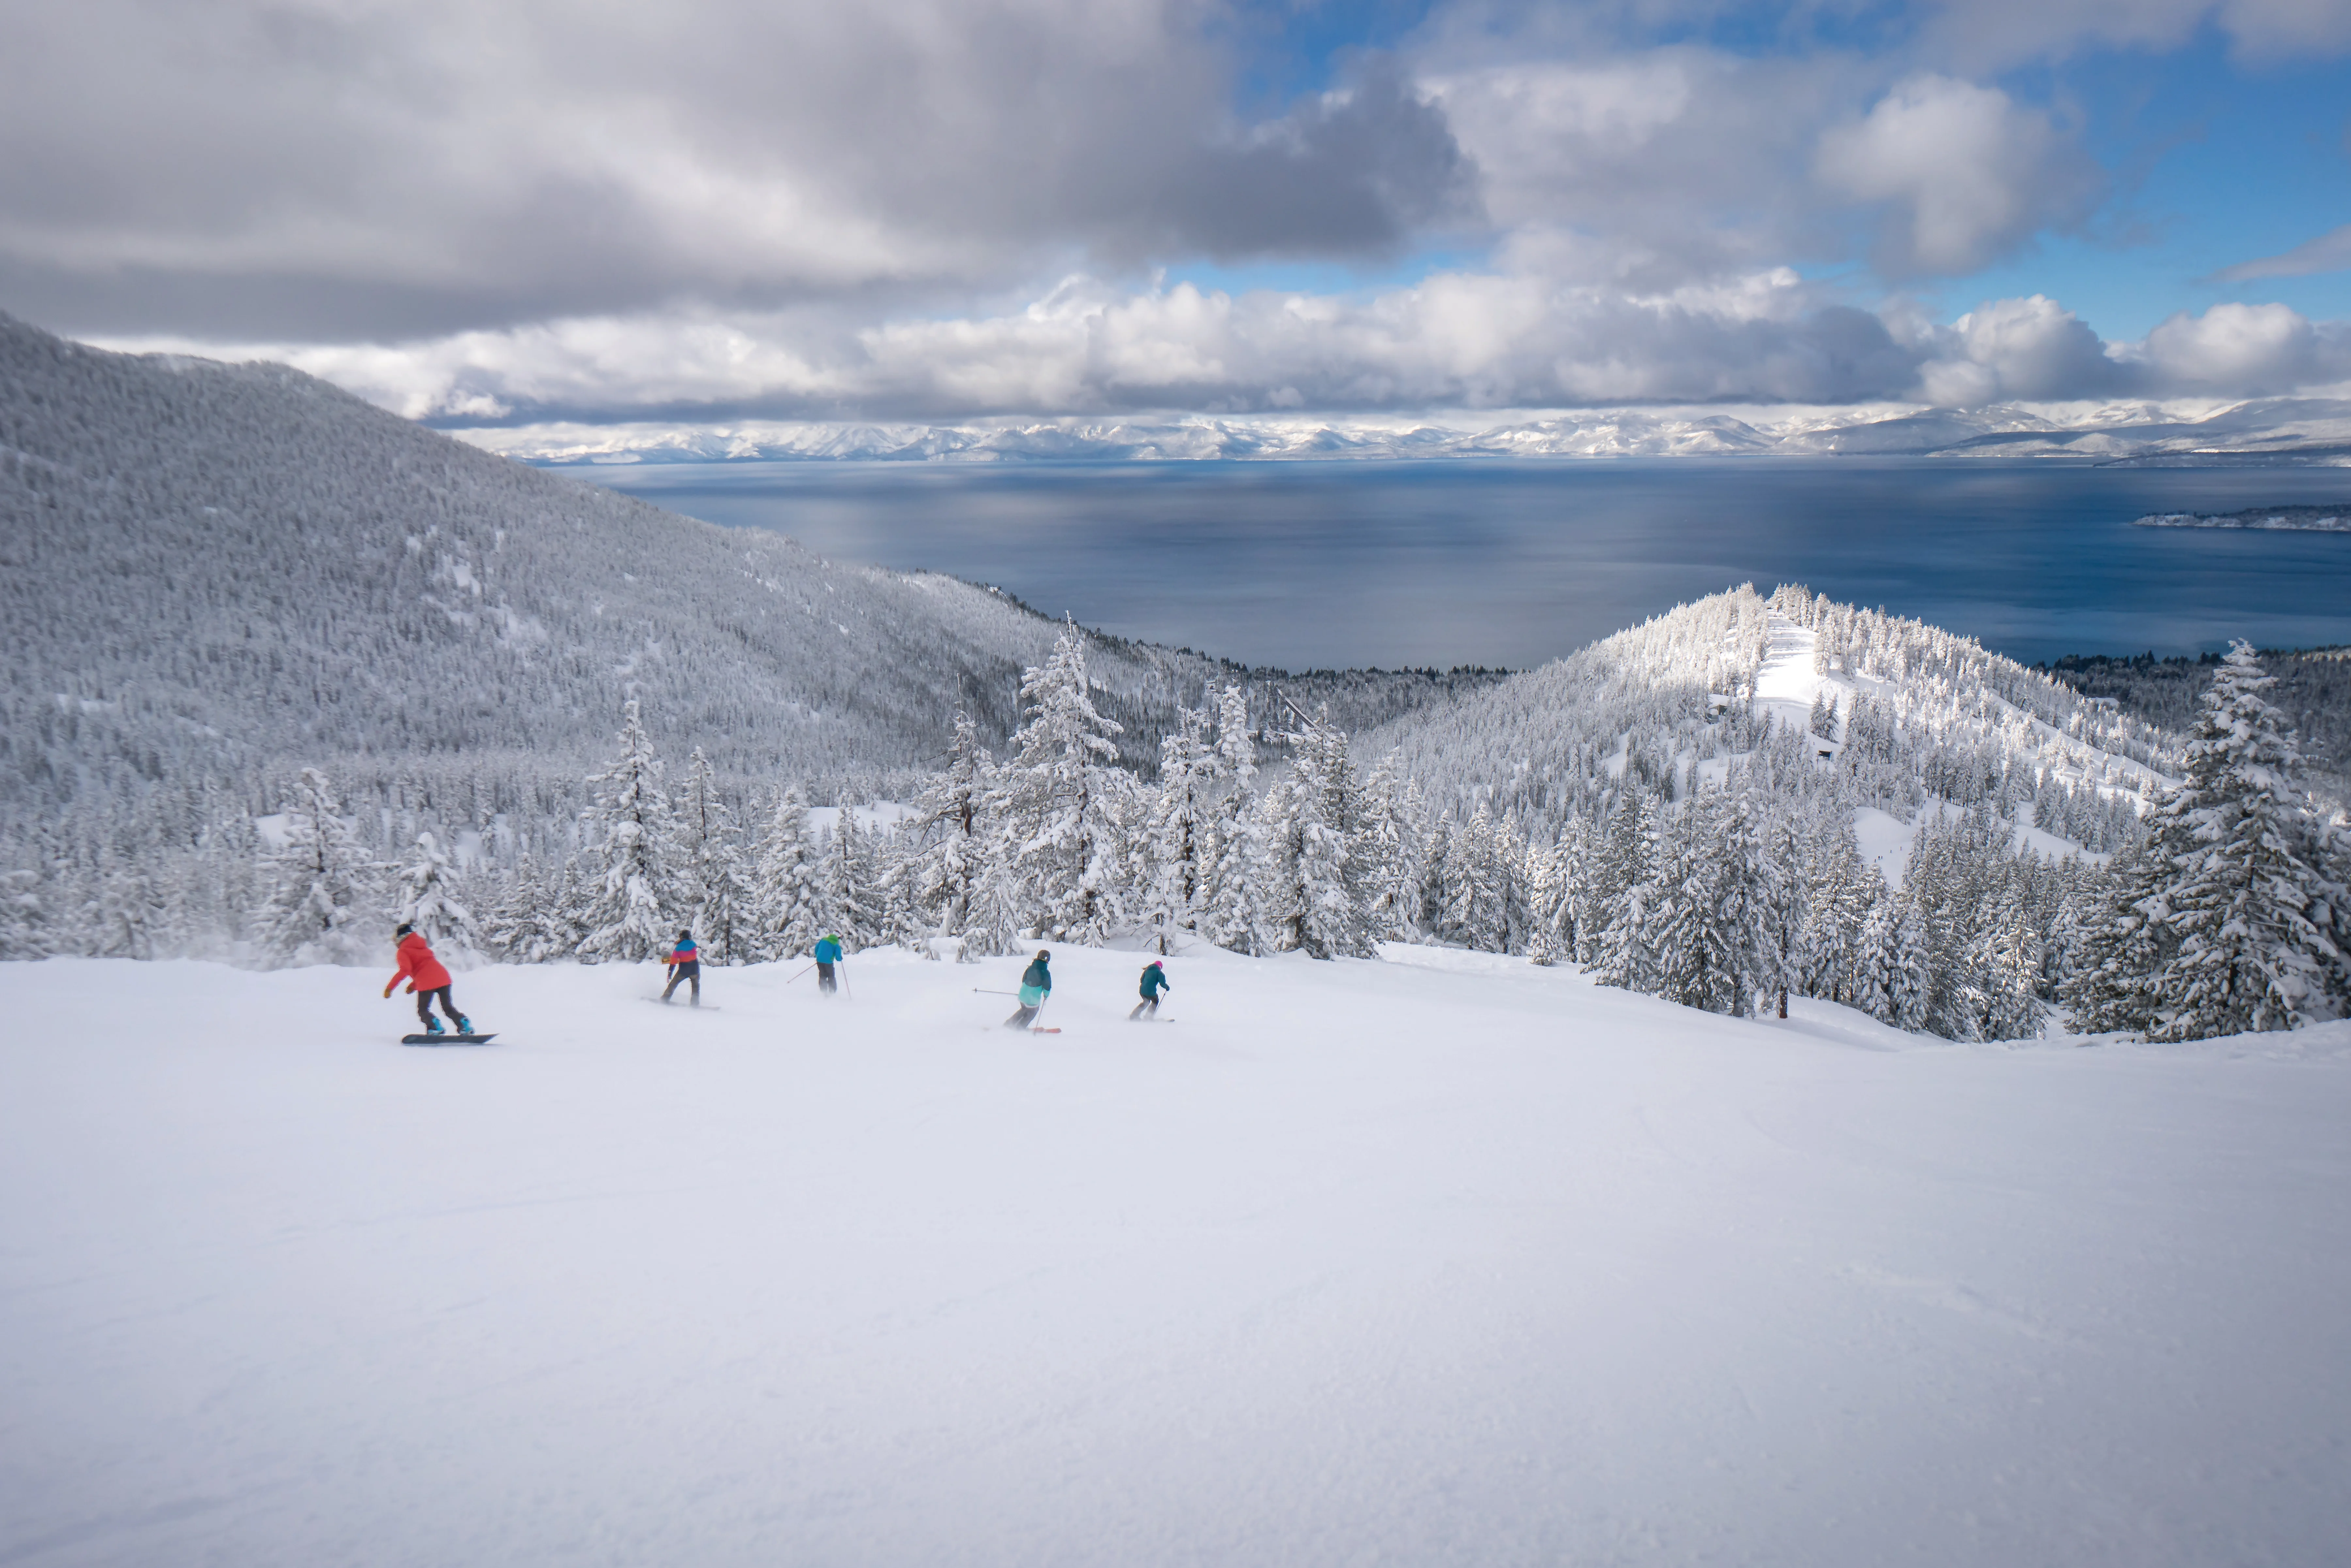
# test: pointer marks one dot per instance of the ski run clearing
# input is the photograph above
(1441, 1259)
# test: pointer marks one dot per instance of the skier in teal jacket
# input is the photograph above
(1036, 985)
(1155, 980)
(828, 954)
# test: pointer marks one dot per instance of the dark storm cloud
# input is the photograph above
(1355, 174)
(313, 169)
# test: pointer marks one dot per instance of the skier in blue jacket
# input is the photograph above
(1036, 985)
(828, 954)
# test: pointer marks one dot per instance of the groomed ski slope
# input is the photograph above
(1444, 1259)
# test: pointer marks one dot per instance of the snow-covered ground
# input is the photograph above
(1786, 683)
(1441, 1259)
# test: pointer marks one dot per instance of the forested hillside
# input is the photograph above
(213, 575)
(1908, 711)
(2314, 691)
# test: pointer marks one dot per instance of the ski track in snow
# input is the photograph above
(1785, 685)
(1442, 1260)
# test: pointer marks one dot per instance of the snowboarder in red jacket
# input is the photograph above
(427, 979)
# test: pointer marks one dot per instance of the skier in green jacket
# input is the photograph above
(1155, 980)
(1036, 985)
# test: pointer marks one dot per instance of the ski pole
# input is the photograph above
(802, 972)
(1034, 1025)
(846, 994)
(982, 991)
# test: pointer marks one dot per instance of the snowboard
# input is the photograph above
(446, 1039)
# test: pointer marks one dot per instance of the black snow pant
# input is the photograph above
(692, 973)
(825, 980)
(425, 1009)
(1148, 1007)
(1022, 1016)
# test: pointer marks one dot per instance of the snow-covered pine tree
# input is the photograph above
(2008, 962)
(1841, 891)
(1623, 954)
(2120, 948)
(1229, 915)
(1439, 877)
(789, 911)
(1680, 930)
(128, 918)
(22, 920)
(1385, 852)
(2244, 898)
(902, 924)
(521, 928)
(428, 899)
(1320, 903)
(948, 825)
(632, 903)
(1775, 894)
(996, 923)
(1873, 970)
(1511, 885)
(853, 897)
(715, 885)
(1619, 858)
(1179, 832)
(566, 902)
(1470, 913)
(1546, 880)
(1912, 982)
(323, 902)
(1058, 797)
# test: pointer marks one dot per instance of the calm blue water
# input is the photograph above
(1333, 564)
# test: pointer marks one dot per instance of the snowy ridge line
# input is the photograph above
(442, 627)
(1909, 712)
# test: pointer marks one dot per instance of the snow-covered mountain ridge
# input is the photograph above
(2298, 430)
(1906, 711)
(208, 570)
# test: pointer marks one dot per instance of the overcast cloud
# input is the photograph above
(509, 208)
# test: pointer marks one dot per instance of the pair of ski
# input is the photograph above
(1034, 1027)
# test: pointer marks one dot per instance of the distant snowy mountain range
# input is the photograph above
(2300, 430)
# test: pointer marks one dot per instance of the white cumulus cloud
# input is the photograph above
(2031, 348)
(1967, 174)
(2245, 350)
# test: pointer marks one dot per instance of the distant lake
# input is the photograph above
(1333, 564)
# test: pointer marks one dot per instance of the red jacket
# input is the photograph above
(418, 966)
